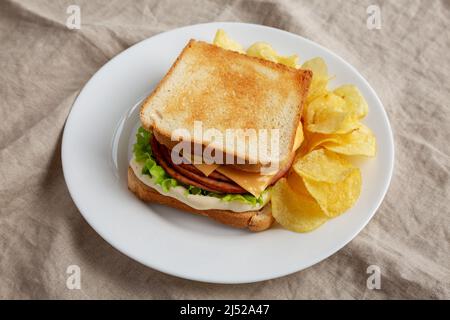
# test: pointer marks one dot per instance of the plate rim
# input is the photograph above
(276, 274)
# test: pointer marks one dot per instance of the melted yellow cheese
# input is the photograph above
(254, 183)
(207, 169)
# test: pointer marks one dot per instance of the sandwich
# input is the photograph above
(195, 149)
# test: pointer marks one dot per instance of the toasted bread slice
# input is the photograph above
(253, 220)
(227, 90)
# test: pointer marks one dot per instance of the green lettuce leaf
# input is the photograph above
(144, 155)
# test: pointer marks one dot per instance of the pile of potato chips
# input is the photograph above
(322, 183)
(258, 49)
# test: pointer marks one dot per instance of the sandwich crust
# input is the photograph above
(252, 220)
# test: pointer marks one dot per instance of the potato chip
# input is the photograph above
(222, 40)
(329, 114)
(336, 198)
(323, 165)
(315, 140)
(320, 78)
(356, 104)
(296, 183)
(295, 211)
(317, 66)
(265, 51)
(303, 147)
(329, 102)
(359, 142)
(299, 136)
(317, 88)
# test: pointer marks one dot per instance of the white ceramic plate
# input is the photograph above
(97, 146)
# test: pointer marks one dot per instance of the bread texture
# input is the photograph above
(227, 90)
(252, 220)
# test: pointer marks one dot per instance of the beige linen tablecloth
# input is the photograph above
(43, 66)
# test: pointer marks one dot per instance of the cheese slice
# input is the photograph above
(254, 183)
(207, 169)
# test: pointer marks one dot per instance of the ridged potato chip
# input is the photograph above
(265, 51)
(359, 142)
(356, 104)
(295, 211)
(328, 114)
(335, 198)
(222, 40)
(323, 165)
